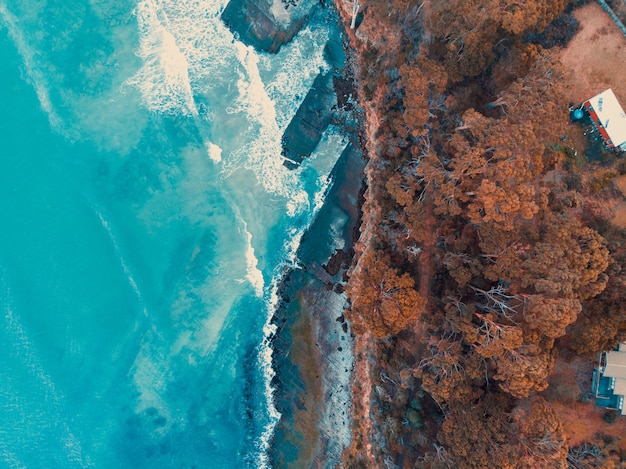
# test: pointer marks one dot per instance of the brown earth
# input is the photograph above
(592, 59)
(596, 55)
(581, 421)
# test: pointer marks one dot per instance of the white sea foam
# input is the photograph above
(253, 274)
(187, 51)
(253, 98)
(214, 152)
(164, 78)
(291, 73)
(185, 48)
(262, 153)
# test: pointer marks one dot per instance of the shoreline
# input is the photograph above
(313, 346)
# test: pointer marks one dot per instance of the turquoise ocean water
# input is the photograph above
(145, 218)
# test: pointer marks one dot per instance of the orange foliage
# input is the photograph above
(383, 301)
(541, 435)
(479, 436)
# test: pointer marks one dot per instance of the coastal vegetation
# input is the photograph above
(488, 249)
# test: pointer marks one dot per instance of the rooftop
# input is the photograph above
(611, 116)
(615, 364)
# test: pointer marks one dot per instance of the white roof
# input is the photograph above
(620, 387)
(615, 365)
(611, 116)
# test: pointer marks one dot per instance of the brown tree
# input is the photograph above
(542, 439)
(479, 436)
(551, 316)
(570, 260)
(383, 301)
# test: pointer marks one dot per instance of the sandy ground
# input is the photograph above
(596, 55)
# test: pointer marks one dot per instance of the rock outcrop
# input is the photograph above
(267, 24)
(306, 128)
(312, 347)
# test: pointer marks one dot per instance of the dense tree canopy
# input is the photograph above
(478, 257)
(383, 301)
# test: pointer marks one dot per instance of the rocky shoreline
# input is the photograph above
(313, 348)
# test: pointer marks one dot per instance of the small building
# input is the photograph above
(610, 379)
(609, 118)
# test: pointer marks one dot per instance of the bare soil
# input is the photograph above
(596, 55)
(596, 58)
(581, 421)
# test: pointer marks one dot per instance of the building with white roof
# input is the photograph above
(609, 118)
(611, 384)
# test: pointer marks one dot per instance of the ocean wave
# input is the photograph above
(261, 154)
(185, 48)
(35, 75)
(187, 51)
(163, 80)
(291, 73)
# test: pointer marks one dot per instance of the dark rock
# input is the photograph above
(314, 114)
(267, 25)
(338, 260)
(334, 53)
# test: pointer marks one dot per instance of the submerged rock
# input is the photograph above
(306, 128)
(267, 24)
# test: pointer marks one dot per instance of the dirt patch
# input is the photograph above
(617, 206)
(582, 421)
(596, 55)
